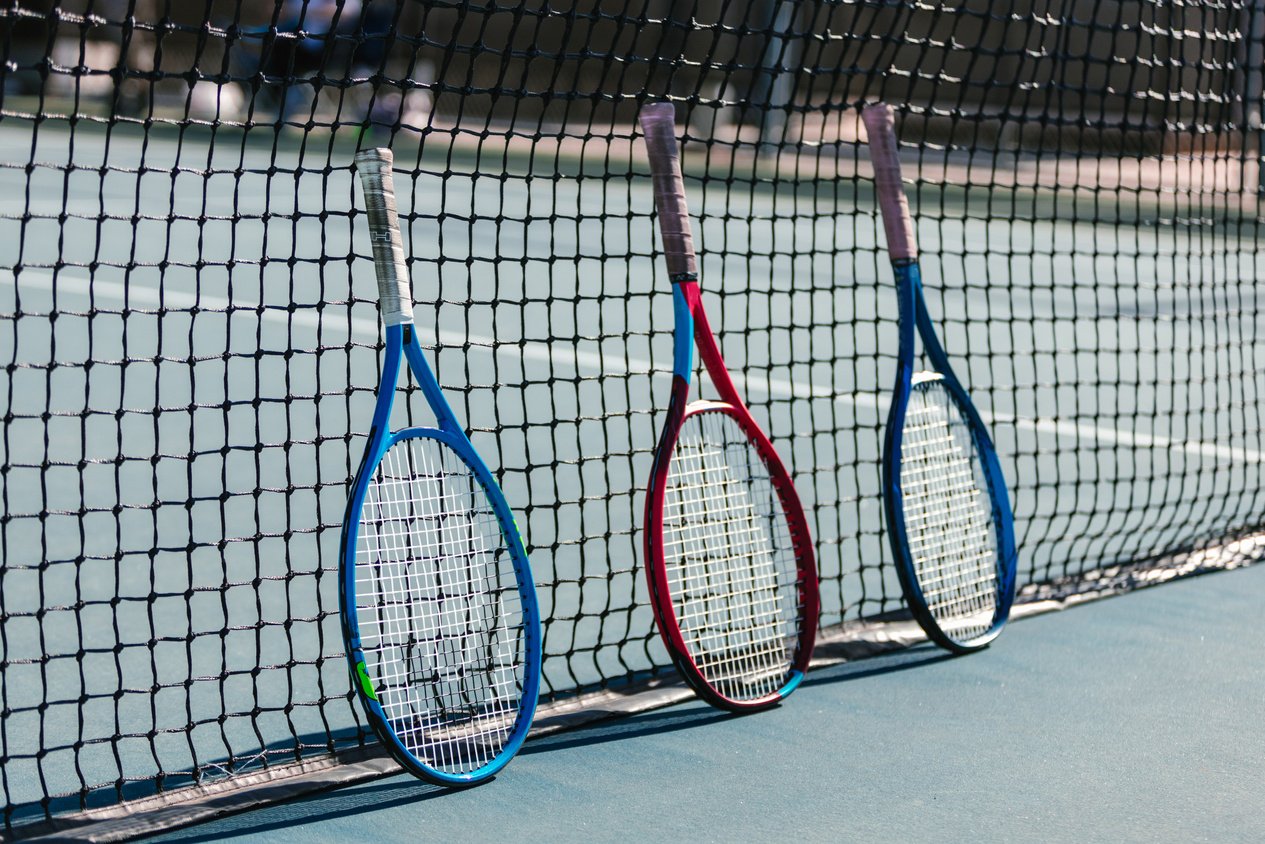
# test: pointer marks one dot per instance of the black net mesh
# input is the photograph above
(190, 338)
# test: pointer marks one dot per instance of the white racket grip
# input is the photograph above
(880, 125)
(395, 298)
(658, 123)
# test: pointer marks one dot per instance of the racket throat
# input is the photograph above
(709, 351)
(683, 335)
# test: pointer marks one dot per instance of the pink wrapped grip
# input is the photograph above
(880, 125)
(658, 123)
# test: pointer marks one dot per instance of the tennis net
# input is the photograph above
(190, 338)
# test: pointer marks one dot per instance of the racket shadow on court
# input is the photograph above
(330, 806)
(397, 790)
(903, 659)
(670, 719)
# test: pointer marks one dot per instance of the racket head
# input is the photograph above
(948, 514)
(440, 615)
(729, 560)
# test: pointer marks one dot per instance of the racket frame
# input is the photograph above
(401, 343)
(914, 319)
(691, 329)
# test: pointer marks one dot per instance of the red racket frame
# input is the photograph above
(731, 404)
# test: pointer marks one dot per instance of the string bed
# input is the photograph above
(948, 514)
(440, 617)
(730, 563)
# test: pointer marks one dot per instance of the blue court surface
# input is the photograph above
(1130, 719)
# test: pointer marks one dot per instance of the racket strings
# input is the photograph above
(439, 610)
(948, 523)
(729, 558)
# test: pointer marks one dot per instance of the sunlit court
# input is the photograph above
(833, 420)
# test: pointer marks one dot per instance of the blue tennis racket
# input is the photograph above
(438, 604)
(948, 514)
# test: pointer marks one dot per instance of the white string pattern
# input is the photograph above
(441, 619)
(730, 563)
(948, 522)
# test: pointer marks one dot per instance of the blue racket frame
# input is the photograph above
(401, 341)
(913, 312)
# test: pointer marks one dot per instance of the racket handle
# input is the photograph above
(658, 123)
(880, 125)
(395, 299)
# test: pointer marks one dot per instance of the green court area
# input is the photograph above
(1132, 719)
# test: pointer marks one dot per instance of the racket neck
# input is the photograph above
(705, 340)
(912, 317)
(930, 341)
(914, 313)
(683, 336)
(445, 418)
(386, 387)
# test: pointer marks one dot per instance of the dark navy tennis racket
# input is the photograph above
(948, 514)
(438, 604)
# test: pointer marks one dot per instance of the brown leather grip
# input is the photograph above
(658, 123)
(880, 125)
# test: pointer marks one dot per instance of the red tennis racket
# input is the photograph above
(728, 554)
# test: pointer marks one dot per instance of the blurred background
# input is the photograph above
(1110, 76)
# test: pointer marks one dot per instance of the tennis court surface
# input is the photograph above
(190, 344)
(1115, 722)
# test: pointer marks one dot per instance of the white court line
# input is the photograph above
(555, 353)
